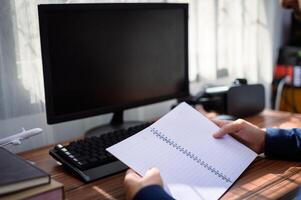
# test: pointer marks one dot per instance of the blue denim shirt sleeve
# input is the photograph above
(152, 192)
(283, 144)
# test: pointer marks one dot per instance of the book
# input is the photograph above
(53, 190)
(192, 163)
(18, 174)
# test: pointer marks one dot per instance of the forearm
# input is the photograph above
(283, 144)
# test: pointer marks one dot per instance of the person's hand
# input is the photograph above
(134, 182)
(245, 132)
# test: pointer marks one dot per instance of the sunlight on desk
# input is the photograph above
(264, 184)
(291, 122)
(103, 193)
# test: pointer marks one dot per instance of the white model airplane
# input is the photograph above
(16, 139)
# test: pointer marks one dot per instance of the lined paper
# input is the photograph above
(192, 163)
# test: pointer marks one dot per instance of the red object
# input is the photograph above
(283, 70)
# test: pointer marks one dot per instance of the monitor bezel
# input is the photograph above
(52, 118)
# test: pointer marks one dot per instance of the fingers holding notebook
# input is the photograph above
(245, 132)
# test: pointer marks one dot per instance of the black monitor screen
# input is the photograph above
(100, 58)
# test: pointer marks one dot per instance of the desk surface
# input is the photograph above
(264, 179)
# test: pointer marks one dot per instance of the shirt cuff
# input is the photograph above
(152, 192)
(283, 144)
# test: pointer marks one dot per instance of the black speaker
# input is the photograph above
(245, 100)
(239, 100)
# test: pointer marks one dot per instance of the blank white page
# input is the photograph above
(193, 164)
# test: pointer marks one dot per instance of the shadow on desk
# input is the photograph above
(267, 179)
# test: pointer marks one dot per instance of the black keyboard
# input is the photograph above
(89, 159)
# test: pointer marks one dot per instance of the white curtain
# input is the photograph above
(241, 36)
(235, 39)
(238, 36)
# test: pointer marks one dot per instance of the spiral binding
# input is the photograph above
(189, 154)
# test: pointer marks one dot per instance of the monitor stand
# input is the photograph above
(115, 124)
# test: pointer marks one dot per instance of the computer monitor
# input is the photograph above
(103, 58)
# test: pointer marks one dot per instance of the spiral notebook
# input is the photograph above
(193, 164)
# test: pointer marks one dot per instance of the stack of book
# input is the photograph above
(19, 179)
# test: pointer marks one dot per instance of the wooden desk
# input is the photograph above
(264, 179)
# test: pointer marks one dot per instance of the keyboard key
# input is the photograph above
(90, 152)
